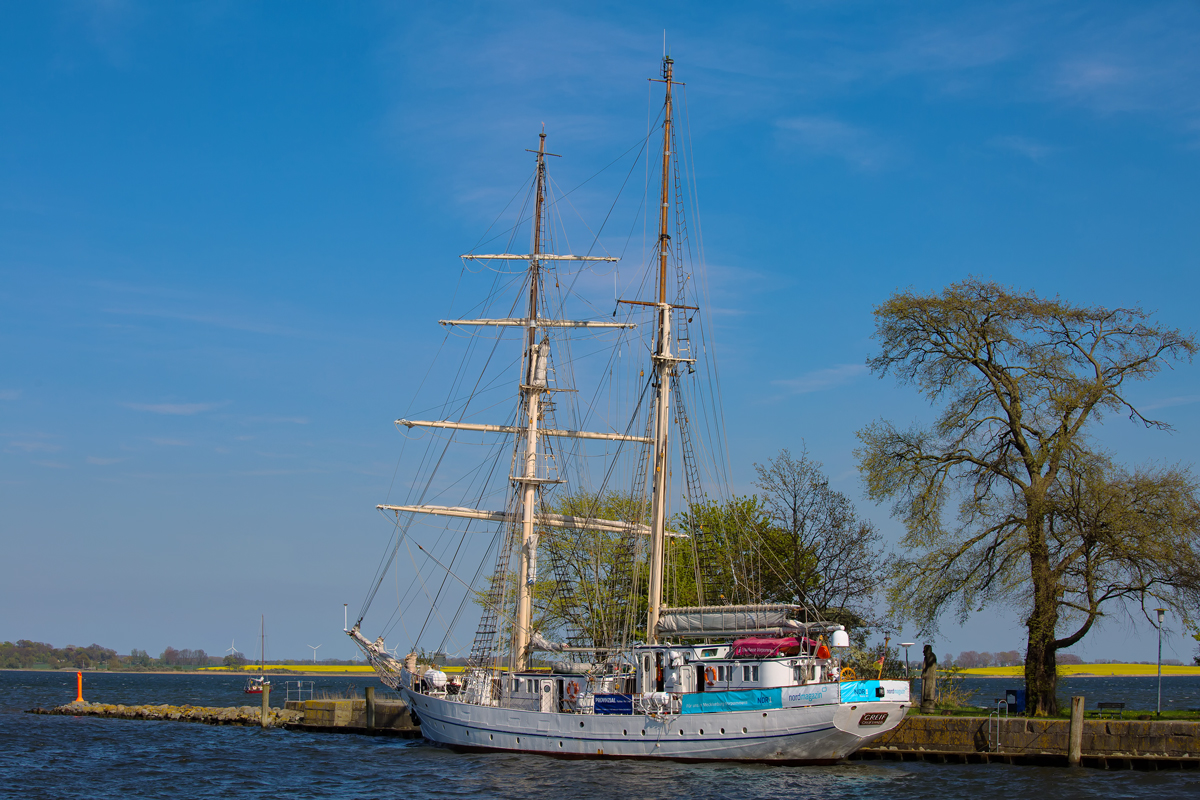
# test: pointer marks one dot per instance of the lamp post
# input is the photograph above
(1161, 613)
(906, 645)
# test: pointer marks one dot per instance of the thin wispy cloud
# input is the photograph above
(822, 379)
(1023, 146)
(213, 320)
(34, 447)
(1168, 402)
(174, 409)
(1144, 60)
(832, 137)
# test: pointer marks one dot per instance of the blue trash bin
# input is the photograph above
(1016, 700)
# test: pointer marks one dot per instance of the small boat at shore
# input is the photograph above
(256, 684)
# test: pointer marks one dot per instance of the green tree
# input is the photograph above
(588, 579)
(747, 561)
(1038, 514)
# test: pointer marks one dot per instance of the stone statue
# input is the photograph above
(929, 680)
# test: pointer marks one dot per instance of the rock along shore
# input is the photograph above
(209, 715)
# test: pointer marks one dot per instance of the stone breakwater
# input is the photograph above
(1107, 744)
(209, 715)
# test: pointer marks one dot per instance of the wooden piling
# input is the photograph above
(370, 707)
(1075, 733)
(266, 702)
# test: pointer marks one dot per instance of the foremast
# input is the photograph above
(532, 389)
(533, 385)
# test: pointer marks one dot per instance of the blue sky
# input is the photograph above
(227, 231)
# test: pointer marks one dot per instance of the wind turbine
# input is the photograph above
(233, 651)
(314, 649)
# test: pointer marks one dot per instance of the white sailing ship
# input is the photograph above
(727, 679)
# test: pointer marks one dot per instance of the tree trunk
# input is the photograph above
(1041, 671)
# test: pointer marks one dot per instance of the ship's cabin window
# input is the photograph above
(708, 652)
(749, 673)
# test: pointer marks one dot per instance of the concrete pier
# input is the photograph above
(368, 716)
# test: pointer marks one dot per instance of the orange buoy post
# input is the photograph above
(78, 687)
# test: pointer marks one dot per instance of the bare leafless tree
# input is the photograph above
(835, 556)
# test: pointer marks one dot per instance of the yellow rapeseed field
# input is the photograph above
(1085, 670)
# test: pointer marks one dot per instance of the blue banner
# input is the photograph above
(859, 691)
(751, 700)
(614, 704)
(872, 691)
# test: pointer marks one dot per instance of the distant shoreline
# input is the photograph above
(270, 673)
(1089, 671)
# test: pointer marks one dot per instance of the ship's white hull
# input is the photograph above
(820, 734)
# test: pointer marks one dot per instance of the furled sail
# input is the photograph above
(718, 621)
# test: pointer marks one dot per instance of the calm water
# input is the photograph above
(61, 757)
(1178, 692)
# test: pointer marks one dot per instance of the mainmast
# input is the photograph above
(533, 385)
(664, 364)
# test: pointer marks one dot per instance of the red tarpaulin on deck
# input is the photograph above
(766, 648)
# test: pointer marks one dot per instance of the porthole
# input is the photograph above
(643, 731)
(560, 744)
(744, 730)
(518, 740)
(702, 731)
(581, 724)
(625, 732)
(722, 730)
(764, 715)
(681, 731)
(490, 737)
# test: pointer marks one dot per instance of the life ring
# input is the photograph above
(847, 674)
(572, 691)
(710, 675)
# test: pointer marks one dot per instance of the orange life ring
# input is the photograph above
(572, 691)
(710, 675)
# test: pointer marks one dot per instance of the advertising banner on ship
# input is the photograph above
(869, 691)
(814, 694)
(752, 700)
(614, 704)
